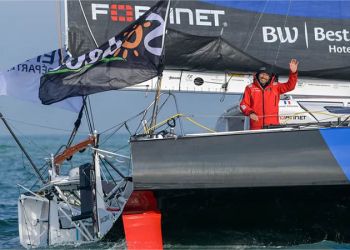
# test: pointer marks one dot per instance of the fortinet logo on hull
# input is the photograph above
(129, 13)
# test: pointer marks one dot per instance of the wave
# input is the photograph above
(4, 223)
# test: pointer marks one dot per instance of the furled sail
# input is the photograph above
(231, 36)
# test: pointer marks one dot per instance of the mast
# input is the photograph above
(160, 74)
(66, 23)
(22, 148)
(155, 104)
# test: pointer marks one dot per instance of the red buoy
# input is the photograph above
(143, 231)
(142, 222)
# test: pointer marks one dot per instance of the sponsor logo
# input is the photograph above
(280, 34)
(273, 34)
(293, 117)
(180, 16)
(42, 64)
(118, 49)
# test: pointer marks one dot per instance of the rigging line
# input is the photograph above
(103, 175)
(113, 127)
(225, 85)
(91, 113)
(162, 105)
(87, 23)
(110, 135)
(33, 176)
(59, 28)
(342, 122)
(87, 116)
(123, 122)
(120, 148)
(256, 26)
(127, 128)
(36, 182)
(30, 180)
(104, 165)
(144, 112)
(158, 110)
(284, 25)
(37, 125)
(77, 123)
(29, 141)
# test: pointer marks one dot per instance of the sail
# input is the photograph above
(230, 36)
(130, 57)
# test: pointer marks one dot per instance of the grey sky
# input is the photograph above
(30, 28)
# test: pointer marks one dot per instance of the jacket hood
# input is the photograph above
(267, 70)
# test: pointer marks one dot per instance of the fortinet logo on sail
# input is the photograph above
(129, 13)
(318, 34)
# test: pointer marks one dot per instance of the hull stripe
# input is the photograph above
(338, 141)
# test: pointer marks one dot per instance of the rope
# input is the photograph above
(256, 26)
(87, 23)
(29, 141)
(284, 25)
(37, 125)
(88, 121)
(178, 116)
(109, 173)
(76, 124)
(91, 114)
(121, 148)
(162, 123)
(200, 125)
(237, 116)
(111, 134)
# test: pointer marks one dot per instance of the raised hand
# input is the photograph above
(293, 65)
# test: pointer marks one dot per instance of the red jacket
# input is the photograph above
(264, 102)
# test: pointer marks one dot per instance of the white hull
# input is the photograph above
(235, 83)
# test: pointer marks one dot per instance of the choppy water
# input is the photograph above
(15, 170)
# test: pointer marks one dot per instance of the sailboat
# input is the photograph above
(216, 47)
(65, 205)
(80, 205)
(227, 41)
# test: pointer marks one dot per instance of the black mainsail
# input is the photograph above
(211, 35)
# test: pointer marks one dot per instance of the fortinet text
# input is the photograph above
(129, 13)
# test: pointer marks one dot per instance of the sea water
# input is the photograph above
(15, 169)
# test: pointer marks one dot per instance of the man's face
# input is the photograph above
(264, 78)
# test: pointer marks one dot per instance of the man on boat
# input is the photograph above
(261, 98)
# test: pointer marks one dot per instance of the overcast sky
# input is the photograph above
(30, 28)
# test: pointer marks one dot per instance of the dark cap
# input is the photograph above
(266, 70)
